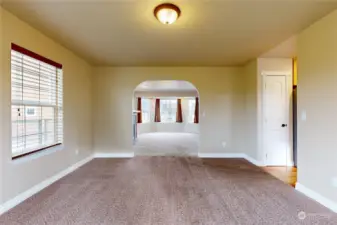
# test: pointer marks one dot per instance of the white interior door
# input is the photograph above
(276, 120)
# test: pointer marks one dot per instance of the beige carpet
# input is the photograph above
(169, 190)
(167, 144)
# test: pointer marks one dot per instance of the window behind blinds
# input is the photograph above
(37, 113)
(148, 106)
(190, 110)
(168, 110)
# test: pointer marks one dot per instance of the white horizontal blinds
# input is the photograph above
(37, 113)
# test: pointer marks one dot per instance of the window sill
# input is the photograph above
(38, 154)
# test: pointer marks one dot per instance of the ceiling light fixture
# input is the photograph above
(167, 13)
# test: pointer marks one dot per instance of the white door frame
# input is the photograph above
(288, 76)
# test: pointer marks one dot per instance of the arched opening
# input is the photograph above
(166, 118)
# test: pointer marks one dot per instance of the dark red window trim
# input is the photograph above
(35, 151)
(35, 56)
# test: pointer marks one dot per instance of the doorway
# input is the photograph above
(166, 118)
(277, 122)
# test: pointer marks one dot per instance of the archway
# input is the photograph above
(166, 118)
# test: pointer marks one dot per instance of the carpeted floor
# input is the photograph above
(169, 190)
(167, 144)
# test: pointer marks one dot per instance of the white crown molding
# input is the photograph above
(35, 189)
(317, 197)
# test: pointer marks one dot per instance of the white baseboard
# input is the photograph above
(231, 155)
(114, 155)
(317, 197)
(291, 164)
(35, 189)
(254, 161)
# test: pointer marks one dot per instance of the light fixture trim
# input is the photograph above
(166, 6)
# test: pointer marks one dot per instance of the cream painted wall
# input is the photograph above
(1, 114)
(20, 175)
(221, 105)
(317, 96)
(253, 101)
(166, 94)
(286, 49)
(250, 73)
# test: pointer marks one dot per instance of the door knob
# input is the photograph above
(284, 125)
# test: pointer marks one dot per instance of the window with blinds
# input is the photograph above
(37, 112)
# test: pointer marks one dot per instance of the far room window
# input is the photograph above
(190, 110)
(147, 108)
(168, 110)
(37, 102)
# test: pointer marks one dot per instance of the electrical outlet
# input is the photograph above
(334, 182)
(224, 144)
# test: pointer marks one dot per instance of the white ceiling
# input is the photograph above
(209, 32)
(165, 85)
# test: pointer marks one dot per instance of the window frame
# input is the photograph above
(57, 108)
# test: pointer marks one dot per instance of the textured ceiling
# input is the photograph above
(209, 32)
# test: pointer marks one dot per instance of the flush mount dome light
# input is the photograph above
(167, 13)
